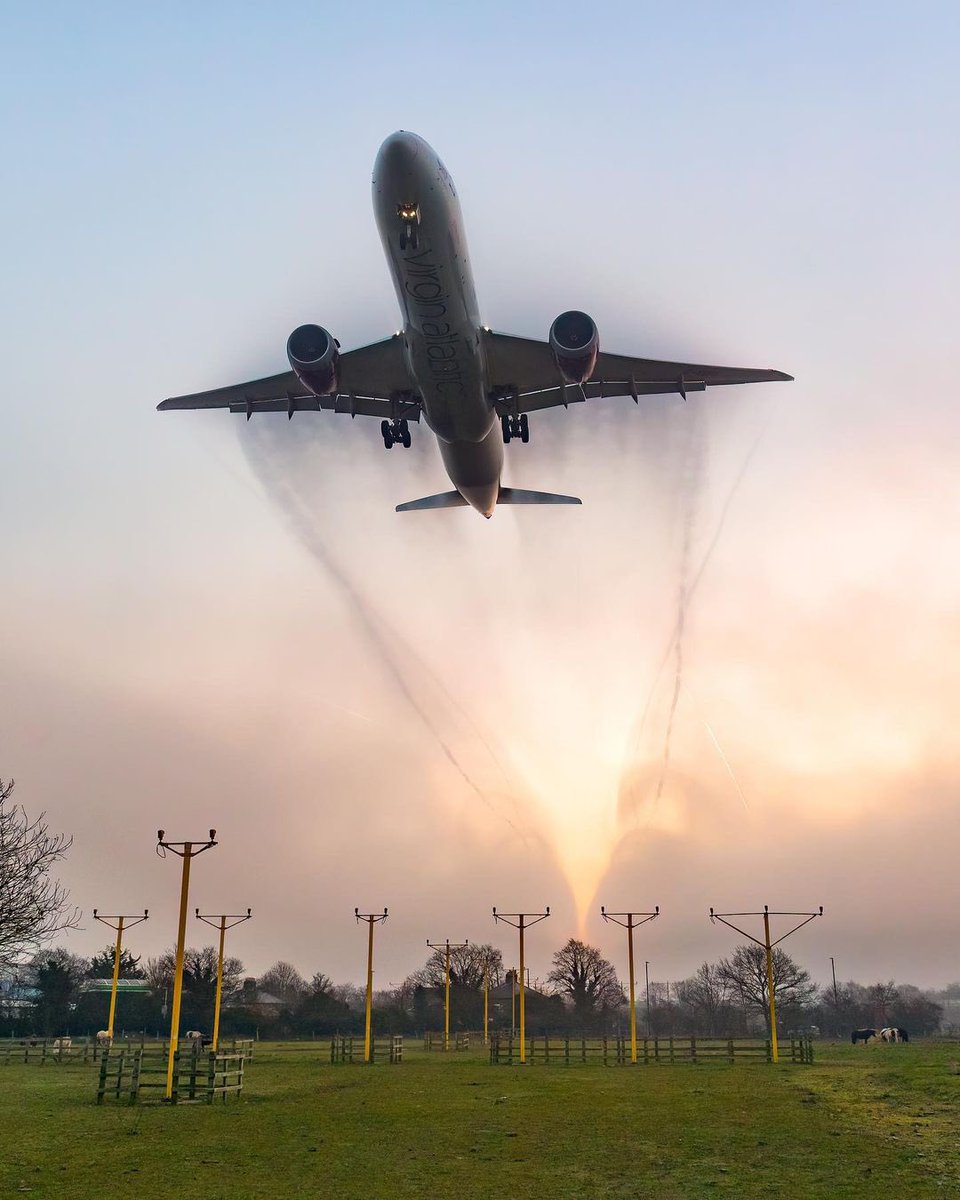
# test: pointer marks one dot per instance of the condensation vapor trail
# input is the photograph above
(378, 632)
(691, 498)
(726, 763)
(695, 583)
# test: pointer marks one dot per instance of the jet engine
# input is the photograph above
(575, 343)
(315, 358)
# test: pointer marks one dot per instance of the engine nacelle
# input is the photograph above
(575, 345)
(315, 358)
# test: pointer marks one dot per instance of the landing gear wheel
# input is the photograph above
(393, 432)
(524, 429)
(505, 426)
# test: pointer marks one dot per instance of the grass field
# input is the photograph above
(876, 1121)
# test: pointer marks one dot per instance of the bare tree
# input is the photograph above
(583, 975)
(707, 995)
(746, 974)
(199, 978)
(33, 907)
(284, 981)
(468, 966)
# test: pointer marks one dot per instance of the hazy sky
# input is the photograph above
(214, 623)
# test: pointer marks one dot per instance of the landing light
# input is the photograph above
(408, 212)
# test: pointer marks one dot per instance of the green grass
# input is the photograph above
(876, 1121)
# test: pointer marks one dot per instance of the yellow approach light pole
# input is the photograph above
(187, 851)
(446, 947)
(768, 946)
(223, 922)
(371, 920)
(522, 922)
(125, 921)
(629, 922)
(486, 1001)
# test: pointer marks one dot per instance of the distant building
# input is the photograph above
(125, 987)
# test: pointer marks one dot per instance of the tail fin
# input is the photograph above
(506, 496)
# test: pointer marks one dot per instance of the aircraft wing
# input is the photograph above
(527, 367)
(373, 383)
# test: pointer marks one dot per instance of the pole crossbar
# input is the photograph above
(522, 922)
(446, 946)
(627, 920)
(221, 922)
(187, 851)
(123, 921)
(371, 919)
(768, 947)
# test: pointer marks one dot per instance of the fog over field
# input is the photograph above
(731, 678)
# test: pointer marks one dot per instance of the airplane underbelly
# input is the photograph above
(446, 363)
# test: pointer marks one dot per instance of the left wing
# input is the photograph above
(527, 369)
(374, 382)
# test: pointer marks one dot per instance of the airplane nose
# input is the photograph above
(398, 153)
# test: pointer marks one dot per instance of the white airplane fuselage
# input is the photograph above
(441, 320)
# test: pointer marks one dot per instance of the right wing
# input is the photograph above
(527, 367)
(374, 382)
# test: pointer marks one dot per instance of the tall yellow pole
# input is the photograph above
(523, 1023)
(116, 976)
(521, 922)
(774, 1046)
(633, 992)
(117, 952)
(178, 965)
(366, 1034)
(486, 1004)
(513, 1005)
(446, 999)
(222, 923)
(216, 1007)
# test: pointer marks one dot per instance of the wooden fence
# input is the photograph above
(350, 1049)
(435, 1041)
(84, 1051)
(616, 1051)
(141, 1074)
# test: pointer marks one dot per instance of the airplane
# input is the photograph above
(472, 387)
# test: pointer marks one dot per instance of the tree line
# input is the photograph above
(581, 994)
(48, 991)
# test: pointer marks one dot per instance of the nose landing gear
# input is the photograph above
(409, 216)
(395, 431)
(515, 427)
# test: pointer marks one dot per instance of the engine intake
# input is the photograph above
(575, 345)
(315, 358)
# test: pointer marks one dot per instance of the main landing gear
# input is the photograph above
(395, 431)
(515, 427)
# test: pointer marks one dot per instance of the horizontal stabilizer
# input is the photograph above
(521, 496)
(441, 500)
(507, 496)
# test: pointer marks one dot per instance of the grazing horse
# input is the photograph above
(862, 1035)
(902, 1035)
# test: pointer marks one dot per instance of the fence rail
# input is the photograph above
(197, 1078)
(437, 1041)
(84, 1051)
(351, 1049)
(615, 1051)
